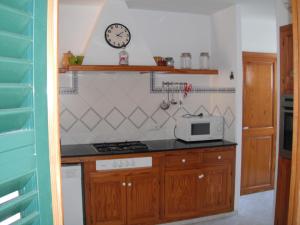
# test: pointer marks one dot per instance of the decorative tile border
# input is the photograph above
(115, 118)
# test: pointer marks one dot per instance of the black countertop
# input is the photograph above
(82, 150)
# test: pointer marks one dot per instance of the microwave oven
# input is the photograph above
(191, 128)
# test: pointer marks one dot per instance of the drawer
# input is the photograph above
(218, 156)
(182, 160)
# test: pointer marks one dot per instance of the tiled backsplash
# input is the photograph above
(120, 107)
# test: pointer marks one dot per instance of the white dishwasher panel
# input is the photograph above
(72, 195)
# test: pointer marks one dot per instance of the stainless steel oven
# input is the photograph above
(286, 122)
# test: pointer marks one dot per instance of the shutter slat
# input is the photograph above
(16, 205)
(14, 20)
(15, 184)
(14, 119)
(14, 70)
(14, 45)
(8, 140)
(18, 4)
(28, 220)
(14, 95)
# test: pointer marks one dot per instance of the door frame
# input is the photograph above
(53, 109)
(294, 201)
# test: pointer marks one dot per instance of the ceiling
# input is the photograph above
(262, 7)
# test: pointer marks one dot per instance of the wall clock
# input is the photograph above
(117, 35)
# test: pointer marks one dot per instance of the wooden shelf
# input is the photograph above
(165, 69)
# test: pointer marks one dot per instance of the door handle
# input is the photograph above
(245, 128)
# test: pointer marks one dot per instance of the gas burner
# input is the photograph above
(121, 147)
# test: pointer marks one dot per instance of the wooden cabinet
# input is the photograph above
(179, 185)
(203, 185)
(123, 199)
(143, 198)
(283, 191)
(286, 59)
(108, 199)
(216, 188)
(181, 194)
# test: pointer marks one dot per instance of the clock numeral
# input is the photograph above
(116, 26)
(109, 31)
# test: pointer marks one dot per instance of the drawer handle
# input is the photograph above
(183, 160)
(201, 176)
(219, 157)
(129, 184)
(124, 184)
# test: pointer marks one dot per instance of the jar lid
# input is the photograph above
(204, 54)
(186, 54)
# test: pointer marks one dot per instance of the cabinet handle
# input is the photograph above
(201, 176)
(219, 157)
(123, 184)
(129, 184)
(183, 160)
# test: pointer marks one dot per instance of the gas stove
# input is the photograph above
(121, 147)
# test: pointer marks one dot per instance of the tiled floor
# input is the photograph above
(254, 209)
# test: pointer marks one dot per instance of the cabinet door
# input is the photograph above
(108, 199)
(286, 59)
(143, 198)
(257, 162)
(181, 194)
(215, 188)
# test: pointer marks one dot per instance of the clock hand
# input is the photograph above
(120, 34)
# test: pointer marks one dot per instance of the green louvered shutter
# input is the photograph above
(25, 195)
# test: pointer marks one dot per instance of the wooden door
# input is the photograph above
(286, 60)
(259, 122)
(215, 189)
(143, 198)
(107, 199)
(283, 191)
(181, 194)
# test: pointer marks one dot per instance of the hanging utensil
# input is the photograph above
(166, 104)
(173, 101)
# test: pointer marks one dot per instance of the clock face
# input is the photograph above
(117, 35)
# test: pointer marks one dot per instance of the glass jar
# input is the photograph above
(204, 60)
(186, 60)
(123, 57)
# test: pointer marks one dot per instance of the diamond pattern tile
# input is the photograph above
(160, 117)
(216, 111)
(229, 117)
(91, 119)
(115, 118)
(67, 120)
(203, 110)
(179, 113)
(138, 117)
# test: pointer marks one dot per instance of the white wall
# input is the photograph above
(170, 34)
(76, 22)
(259, 27)
(226, 47)
(259, 35)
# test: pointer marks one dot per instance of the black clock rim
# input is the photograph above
(111, 45)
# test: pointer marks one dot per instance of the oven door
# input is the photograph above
(286, 129)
